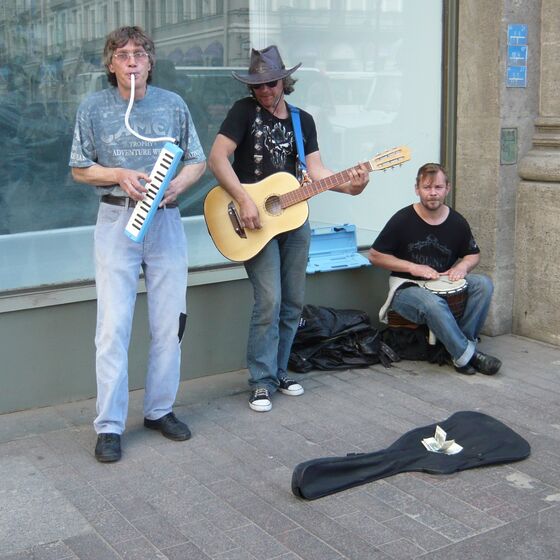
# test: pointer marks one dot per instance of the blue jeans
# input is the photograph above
(277, 274)
(426, 308)
(118, 261)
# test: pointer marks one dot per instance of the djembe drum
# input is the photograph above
(454, 292)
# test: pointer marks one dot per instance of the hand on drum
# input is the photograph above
(424, 271)
(458, 272)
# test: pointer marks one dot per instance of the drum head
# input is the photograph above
(445, 286)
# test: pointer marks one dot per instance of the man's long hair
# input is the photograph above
(118, 39)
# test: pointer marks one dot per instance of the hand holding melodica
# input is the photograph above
(132, 183)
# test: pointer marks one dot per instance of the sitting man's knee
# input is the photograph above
(481, 283)
(435, 305)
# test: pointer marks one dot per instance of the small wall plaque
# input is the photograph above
(516, 76)
(518, 33)
(517, 56)
(508, 146)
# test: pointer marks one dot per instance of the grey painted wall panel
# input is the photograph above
(47, 354)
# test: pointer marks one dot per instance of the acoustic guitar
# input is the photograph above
(282, 204)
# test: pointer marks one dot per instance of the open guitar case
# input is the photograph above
(485, 441)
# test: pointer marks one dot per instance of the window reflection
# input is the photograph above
(359, 79)
(53, 60)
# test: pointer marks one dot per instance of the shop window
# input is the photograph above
(371, 82)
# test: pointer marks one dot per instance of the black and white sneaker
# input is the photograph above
(290, 387)
(260, 400)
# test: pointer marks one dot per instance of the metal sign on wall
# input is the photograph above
(508, 146)
(517, 55)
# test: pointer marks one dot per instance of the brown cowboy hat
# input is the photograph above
(265, 66)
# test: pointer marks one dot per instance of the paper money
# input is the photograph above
(439, 443)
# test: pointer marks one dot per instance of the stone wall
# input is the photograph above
(537, 236)
(486, 189)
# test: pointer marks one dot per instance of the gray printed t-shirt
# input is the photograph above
(100, 135)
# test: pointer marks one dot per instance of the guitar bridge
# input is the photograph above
(235, 220)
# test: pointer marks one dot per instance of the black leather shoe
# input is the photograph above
(484, 363)
(170, 427)
(108, 448)
(465, 370)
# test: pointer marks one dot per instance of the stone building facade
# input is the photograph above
(513, 207)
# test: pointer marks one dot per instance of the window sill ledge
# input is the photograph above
(61, 294)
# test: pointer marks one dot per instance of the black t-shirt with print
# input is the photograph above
(407, 236)
(265, 143)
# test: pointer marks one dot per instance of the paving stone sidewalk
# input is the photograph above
(226, 493)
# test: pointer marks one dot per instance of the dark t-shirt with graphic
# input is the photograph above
(265, 143)
(407, 236)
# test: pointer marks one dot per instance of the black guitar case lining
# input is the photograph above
(484, 439)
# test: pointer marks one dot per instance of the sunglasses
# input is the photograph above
(267, 84)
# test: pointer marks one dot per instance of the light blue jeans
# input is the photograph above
(118, 261)
(426, 308)
(277, 274)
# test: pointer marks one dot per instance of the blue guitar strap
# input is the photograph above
(296, 123)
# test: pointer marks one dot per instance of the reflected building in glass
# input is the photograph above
(50, 59)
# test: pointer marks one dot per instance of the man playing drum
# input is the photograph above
(428, 240)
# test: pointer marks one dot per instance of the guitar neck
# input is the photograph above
(308, 190)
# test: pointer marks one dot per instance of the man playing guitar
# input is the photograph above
(258, 132)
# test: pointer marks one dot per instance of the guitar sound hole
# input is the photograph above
(273, 206)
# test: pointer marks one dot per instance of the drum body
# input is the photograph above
(397, 321)
(455, 293)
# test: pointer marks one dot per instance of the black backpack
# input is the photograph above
(330, 339)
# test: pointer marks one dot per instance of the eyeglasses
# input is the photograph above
(267, 84)
(136, 55)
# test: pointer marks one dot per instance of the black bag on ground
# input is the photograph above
(329, 339)
(412, 344)
(484, 439)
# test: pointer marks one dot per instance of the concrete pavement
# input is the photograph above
(225, 494)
